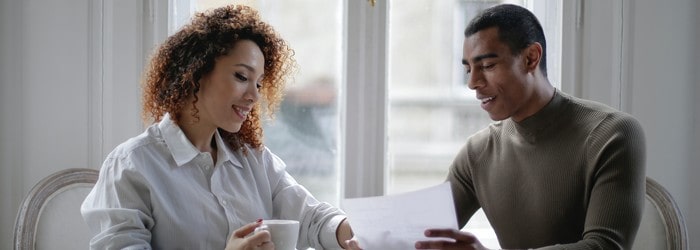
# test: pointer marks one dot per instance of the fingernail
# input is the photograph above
(259, 220)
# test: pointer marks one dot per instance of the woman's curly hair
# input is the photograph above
(179, 63)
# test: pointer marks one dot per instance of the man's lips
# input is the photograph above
(485, 99)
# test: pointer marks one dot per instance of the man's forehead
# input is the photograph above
(481, 43)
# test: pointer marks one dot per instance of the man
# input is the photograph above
(553, 171)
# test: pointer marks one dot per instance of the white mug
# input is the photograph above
(284, 233)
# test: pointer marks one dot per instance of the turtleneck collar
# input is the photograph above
(531, 127)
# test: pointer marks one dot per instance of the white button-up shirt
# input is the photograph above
(158, 191)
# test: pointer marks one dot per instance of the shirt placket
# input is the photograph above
(218, 192)
(204, 162)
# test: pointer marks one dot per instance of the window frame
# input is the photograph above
(363, 120)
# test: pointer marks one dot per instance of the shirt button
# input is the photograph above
(224, 203)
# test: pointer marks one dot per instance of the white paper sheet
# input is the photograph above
(398, 221)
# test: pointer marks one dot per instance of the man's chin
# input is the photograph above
(496, 117)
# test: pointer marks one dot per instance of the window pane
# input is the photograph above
(304, 132)
(431, 111)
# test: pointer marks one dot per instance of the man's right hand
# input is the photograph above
(462, 240)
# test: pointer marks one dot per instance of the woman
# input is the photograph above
(201, 178)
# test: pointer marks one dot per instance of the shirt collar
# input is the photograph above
(224, 152)
(182, 149)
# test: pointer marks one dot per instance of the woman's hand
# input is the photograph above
(352, 244)
(260, 240)
(462, 240)
(345, 236)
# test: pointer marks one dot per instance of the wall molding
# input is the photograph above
(95, 88)
(11, 143)
(601, 52)
(571, 47)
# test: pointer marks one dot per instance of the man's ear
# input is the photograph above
(533, 55)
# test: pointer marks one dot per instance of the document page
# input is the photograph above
(398, 221)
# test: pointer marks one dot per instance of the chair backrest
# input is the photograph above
(662, 224)
(49, 217)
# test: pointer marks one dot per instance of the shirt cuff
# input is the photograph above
(329, 240)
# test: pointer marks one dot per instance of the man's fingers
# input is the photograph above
(451, 233)
(455, 239)
(442, 244)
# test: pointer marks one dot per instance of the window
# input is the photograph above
(430, 112)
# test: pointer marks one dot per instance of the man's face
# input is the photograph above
(501, 80)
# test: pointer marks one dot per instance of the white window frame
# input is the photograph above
(364, 102)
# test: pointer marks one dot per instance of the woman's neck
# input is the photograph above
(200, 135)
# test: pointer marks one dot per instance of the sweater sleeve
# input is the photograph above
(464, 195)
(616, 155)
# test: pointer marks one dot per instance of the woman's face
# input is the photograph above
(228, 93)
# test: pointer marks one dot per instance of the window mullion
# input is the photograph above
(364, 100)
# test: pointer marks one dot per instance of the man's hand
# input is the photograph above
(462, 240)
(260, 240)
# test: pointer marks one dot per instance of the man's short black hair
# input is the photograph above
(517, 28)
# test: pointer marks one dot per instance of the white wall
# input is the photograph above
(44, 98)
(69, 82)
(663, 95)
(693, 217)
(10, 119)
(69, 74)
(641, 57)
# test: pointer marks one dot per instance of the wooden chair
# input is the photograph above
(49, 217)
(662, 224)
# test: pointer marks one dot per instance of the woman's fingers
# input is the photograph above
(353, 244)
(246, 229)
(261, 239)
(267, 246)
(243, 239)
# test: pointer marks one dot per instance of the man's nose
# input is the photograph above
(475, 80)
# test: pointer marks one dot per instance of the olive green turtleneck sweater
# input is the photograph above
(572, 176)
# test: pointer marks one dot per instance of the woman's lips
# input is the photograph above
(242, 112)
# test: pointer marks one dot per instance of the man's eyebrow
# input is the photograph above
(480, 57)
